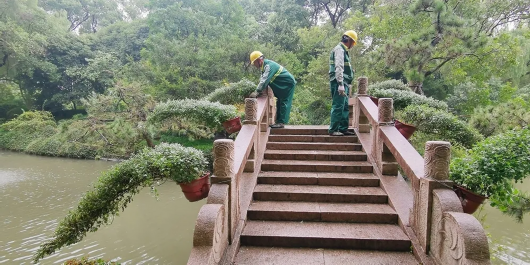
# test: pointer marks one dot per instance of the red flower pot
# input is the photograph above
(470, 200)
(197, 189)
(405, 129)
(232, 125)
(375, 100)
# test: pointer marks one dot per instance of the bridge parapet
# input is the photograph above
(219, 221)
(441, 233)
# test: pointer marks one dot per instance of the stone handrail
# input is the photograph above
(440, 232)
(220, 218)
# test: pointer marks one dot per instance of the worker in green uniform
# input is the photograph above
(282, 83)
(340, 79)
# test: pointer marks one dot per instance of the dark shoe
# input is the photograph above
(277, 126)
(336, 134)
(348, 133)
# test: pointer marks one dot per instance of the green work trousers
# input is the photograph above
(283, 104)
(340, 111)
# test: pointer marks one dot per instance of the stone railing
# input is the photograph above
(430, 211)
(235, 162)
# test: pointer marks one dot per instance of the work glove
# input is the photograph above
(253, 94)
(342, 91)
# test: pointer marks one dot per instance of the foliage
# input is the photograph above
(440, 124)
(468, 96)
(115, 189)
(18, 133)
(232, 93)
(403, 98)
(491, 166)
(212, 114)
(492, 120)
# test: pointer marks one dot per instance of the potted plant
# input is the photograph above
(404, 128)
(116, 188)
(197, 189)
(491, 167)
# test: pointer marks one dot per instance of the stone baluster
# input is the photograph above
(436, 159)
(251, 118)
(360, 120)
(383, 157)
(272, 106)
(223, 173)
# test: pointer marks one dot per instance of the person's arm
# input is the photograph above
(263, 80)
(339, 66)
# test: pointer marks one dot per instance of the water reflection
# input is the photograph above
(37, 192)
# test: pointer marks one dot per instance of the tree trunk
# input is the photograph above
(148, 139)
(416, 87)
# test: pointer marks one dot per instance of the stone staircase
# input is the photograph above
(318, 202)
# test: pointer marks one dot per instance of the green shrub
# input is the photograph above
(389, 84)
(233, 93)
(115, 189)
(492, 120)
(402, 99)
(212, 114)
(491, 167)
(444, 125)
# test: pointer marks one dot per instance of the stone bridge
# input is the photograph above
(299, 196)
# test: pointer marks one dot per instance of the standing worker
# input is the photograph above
(340, 78)
(281, 82)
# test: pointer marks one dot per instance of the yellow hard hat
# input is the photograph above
(352, 34)
(255, 55)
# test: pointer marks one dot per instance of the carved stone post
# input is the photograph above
(223, 173)
(272, 106)
(360, 120)
(383, 157)
(251, 118)
(251, 111)
(436, 159)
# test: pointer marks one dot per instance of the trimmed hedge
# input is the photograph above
(212, 114)
(403, 98)
(389, 84)
(440, 123)
(233, 93)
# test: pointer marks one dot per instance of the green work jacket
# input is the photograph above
(340, 69)
(277, 77)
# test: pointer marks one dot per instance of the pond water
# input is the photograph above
(37, 192)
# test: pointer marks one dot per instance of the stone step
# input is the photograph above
(317, 166)
(326, 155)
(322, 212)
(314, 138)
(313, 193)
(318, 178)
(382, 237)
(301, 130)
(319, 256)
(314, 146)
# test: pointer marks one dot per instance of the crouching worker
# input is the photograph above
(281, 82)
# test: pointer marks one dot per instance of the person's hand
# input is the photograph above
(253, 94)
(342, 91)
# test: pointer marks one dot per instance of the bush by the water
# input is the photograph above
(115, 189)
(493, 165)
